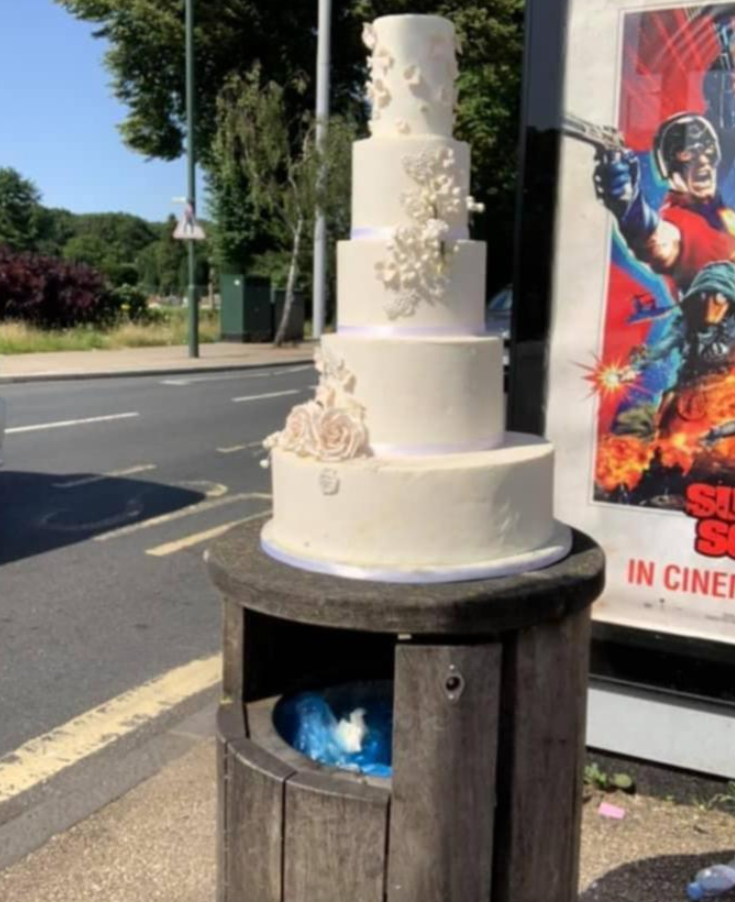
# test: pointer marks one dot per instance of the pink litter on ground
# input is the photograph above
(607, 810)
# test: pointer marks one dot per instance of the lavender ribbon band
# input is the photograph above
(369, 232)
(413, 331)
(558, 547)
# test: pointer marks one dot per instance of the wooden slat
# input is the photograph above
(233, 629)
(541, 761)
(254, 822)
(335, 840)
(221, 852)
(444, 758)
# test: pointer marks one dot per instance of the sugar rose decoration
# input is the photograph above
(417, 264)
(331, 427)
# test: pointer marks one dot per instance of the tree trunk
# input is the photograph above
(291, 284)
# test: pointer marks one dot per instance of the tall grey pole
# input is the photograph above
(322, 115)
(191, 193)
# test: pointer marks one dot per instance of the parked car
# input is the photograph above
(498, 312)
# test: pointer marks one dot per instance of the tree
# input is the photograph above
(162, 262)
(280, 160)
(20, 204)
(111, 243)
(147, 64)
(55, 228)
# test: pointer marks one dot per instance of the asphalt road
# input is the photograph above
(103, 524)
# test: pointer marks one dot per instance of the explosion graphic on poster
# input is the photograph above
(665, 373)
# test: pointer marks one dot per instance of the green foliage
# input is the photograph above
(598, 779)
(127, 302)
(162, 263)
(110, 242)
(55, 228)
(146, 39)
(289, 176)
(20, 204)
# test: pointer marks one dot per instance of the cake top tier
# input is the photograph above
(413, 69)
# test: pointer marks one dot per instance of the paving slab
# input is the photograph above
(158, 843)
(219, 356)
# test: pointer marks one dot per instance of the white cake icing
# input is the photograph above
(414, 391)
(399, 468)
(413, 70)
(382, 181)
(451, 510)
(364, 300)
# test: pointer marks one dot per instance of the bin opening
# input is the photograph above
(348, 726)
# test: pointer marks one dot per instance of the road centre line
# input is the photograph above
(234, 448)
(63, 423)
(88, 480)
(189, 511)
(273, 394)
(270, 374)
(46, 756)
(199, 537)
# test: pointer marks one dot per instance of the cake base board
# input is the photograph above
(557, 548)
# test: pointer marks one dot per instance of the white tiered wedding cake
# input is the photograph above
(399, 469)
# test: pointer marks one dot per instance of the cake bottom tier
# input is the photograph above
(432, 519)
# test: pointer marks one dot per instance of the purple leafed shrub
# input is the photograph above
(48, 292)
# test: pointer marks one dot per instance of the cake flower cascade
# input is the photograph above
(332, 426)
(416, 267)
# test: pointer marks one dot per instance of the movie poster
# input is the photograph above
(642, 351)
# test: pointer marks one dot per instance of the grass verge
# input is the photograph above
(20, 338)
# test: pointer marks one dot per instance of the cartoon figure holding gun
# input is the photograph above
(693, 153)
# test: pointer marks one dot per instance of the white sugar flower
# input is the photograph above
(340, 436)
(402, 127)
(329, 482)
(444, 96)
(388, 273)
(300, 432)
(412, 74)
(435, 230)
(369, 37)
(382, 59)
(381, 94)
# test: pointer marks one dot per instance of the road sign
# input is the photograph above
(188, 229)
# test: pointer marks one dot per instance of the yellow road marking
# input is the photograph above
(199, 537)
(46, 756)
(88, 480)
(200, 508)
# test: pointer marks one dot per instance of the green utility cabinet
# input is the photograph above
(246, 308)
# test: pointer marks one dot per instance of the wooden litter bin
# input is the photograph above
(490, 682)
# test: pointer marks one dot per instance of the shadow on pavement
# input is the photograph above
(662, 879)
(36, 515)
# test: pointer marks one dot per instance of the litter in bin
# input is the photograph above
(712, 881)
(348, 727)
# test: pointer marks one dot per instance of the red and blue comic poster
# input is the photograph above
(644, 309)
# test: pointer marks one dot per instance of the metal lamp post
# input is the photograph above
(322, 114)
(191, 193)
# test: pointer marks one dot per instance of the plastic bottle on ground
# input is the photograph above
(712, 882)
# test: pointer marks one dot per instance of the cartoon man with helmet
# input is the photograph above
(694, 226)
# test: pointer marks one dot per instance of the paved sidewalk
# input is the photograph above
(157, 844)
(148, 361)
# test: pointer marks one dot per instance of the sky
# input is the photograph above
(58, 119)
